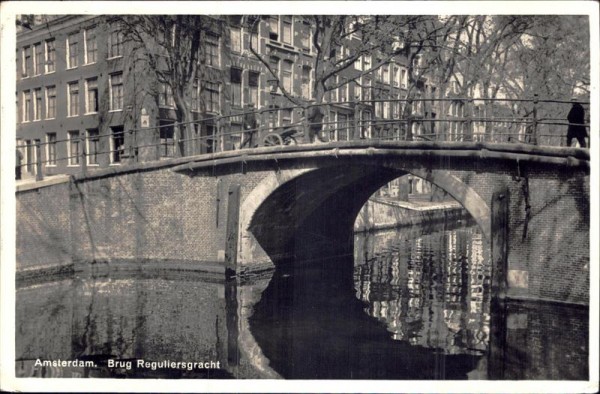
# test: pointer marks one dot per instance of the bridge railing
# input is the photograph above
(524, 121)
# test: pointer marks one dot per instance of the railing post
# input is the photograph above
(39, 176)
(535, 120)
(409, 120)
(83, 157)
(469, 119)
(355, 125)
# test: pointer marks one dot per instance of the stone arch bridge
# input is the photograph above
(243, 211)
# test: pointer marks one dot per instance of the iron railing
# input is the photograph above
(408, 119)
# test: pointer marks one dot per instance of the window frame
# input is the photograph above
(27, 106)
(50, 54)
(69, 55)
(87, 96)
(89, 154)
(48, 101)
(73, 160)
(70, 95)
(112, 91)
(37, 110)
(51, 149)
(86, 41)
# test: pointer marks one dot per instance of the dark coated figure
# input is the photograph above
(576, 128)
(250, 126)
(315, 118)
(18, 164)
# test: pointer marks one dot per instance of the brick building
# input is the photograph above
(81, 87)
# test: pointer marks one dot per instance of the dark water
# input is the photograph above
(417, 306)
(408, 305)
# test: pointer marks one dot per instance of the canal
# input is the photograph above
(408, 304)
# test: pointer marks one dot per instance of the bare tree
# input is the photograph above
(171, 46)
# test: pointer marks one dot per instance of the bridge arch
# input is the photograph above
(306, 205)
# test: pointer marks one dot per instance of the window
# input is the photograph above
(306, 82)
(37, 104)
(385, 73)
(366, 63)
(333, 93)
(73, 147)
(286, 116)
(38, 52)
(236, 86)
(73, 99)
(403, 79)
(286, 75)
(211, 92)
(167, 142)
(91, 47)
(115, 44)
(386, 109)
(287, 30)
(274, 27)
(195, 96)
(117, 144)
(212, 50)
(116, 92)
(27, 62)
(236, 39)
(253, 80)
(331, 126)
(50, 149)
(343, 90)
(274, 63)
(343, 124)
(395, 75)
(366, 94)
(165, 95)
(50, 56)
(51, 102)
(91, 102)
(93, 146)
(306, 39)
(72, 51)
(27, 108)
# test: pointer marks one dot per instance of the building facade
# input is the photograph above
(84, 95)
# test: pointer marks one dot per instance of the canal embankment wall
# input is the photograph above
(167, 219)
(384, 213)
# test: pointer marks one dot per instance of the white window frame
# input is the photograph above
(48, 102)
(110, 44)
(87, 91)
(233, 30)
(50, 163)
(35, 60)
(26, 111)
(69, 153)
(88, 156)
(69, 84)
(85, 45)
(112, 147)
(37, 112)
(291, 71)
(68, 52)
(217, 40)
(110, 91)
(46, 54)
(25, 73)
(283, 22)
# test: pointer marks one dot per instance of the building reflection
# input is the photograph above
(431, 290)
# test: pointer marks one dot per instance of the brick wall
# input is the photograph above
(43, 228)
(162, 215)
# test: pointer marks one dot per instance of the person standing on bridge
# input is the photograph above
(250, 125)
(315, 118)
(576, 128)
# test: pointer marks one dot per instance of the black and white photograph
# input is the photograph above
(300, 196)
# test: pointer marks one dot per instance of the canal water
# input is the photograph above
(409, 304)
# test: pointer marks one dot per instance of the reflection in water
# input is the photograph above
(420, 309)
(430, 290)
(125, 318)
(411, 304)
